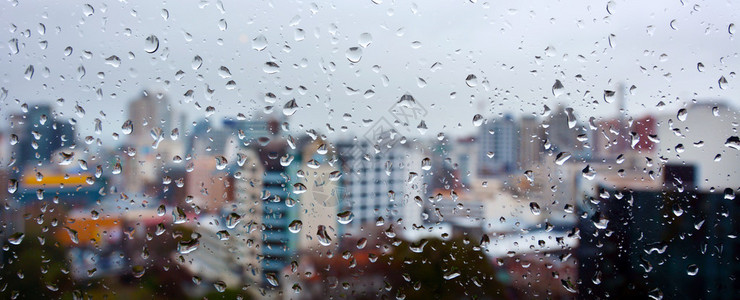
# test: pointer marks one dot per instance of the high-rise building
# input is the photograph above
(498, 147)
(40, 134)
(319, 201)
(247, 203)
(382, 184)
(629, 235)
(208, 185)
(531, 138)
(703, 137)
(563, 133)
(150, 112)
(279, 207)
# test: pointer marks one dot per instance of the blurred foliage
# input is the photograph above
(31, 270)
(427, 271)
(227, 294)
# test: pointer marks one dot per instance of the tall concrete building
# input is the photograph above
(498, 147)
(531, 141)
(706, 137)
(319, 202)
(381, 184)
(40, 134)
(247, 203)
(208, 185)
(279, 207)
(564, 133)
(149, 112)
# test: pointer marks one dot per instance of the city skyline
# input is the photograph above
(369, 150)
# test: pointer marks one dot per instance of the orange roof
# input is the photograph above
(88, 230)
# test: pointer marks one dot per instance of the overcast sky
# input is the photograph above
(656, 46)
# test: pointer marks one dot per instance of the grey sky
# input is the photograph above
(496, 41)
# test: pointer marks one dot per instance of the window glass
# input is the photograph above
(369, 149)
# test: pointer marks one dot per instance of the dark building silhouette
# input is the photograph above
(39, 135)
(676, 243)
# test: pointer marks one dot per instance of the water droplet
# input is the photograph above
(471, 80)
(345, 217)
(674, 24)
(426, 164)
(731, 28)
(529, 174)
(700, 67)
(534, 208)
(138, 271)
(557, 88)
(231, 85)
(323, 236)
(612, 41)
(223, 235)
(12, 185)
(259, 43)
(117, 168)
(729, 194)
(733, 142)
(224, 72)
(88, 10)
(722, 83)
(127, 127)
(299, 35)
(692, 270)
(681, 115)
(295, 226)
(165, 14)
(588, 172)
(66, 158)
(677, 210)
(232, 220)
(299, 188)
(161, 210)
(286, 160)
(151, 44)
(365, 40)
(185, 247)
(422, 127)
(477, 120)
(272, 279)
(569, 286)
(179, 216)
(221, 162)
(72, 235)
(451, 275)
(609, 96)
(361, 243)
(79, 111)
(610, 7)
(13, 46)
(197, 62)
(160, 229)
(562, 157)
(222, 25)
(354, 54)
(572, 121)
(290, 108)
(29, 73)
(270, 68)
(418, 247)
(16, 238)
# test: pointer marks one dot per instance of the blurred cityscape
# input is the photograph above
(535, 206)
